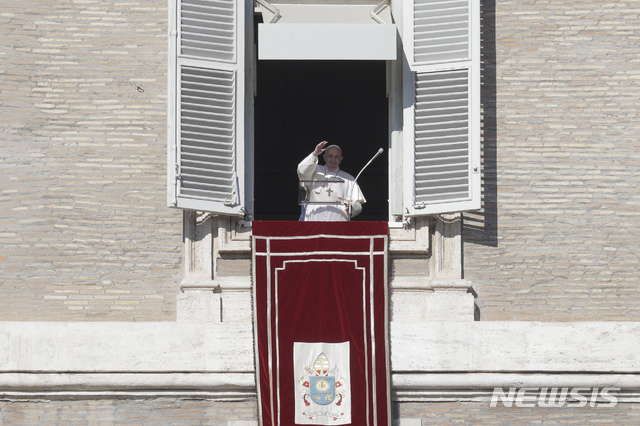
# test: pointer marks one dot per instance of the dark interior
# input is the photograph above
(301, 103)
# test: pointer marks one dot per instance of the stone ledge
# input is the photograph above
(63, 385)
(126, 347)
(215, 356)
(519, 346)
(414, 387)
(460, 382)
(234, 236)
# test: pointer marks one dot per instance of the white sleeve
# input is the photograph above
(357, 195)
(356, 208)
(358, 200)
(307, 167)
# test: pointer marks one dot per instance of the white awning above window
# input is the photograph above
(326, 31)
(327, 41)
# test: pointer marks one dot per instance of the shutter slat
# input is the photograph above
(195, 171)
(215, 107)
(440, 145)
(209, 126)
(190, 143)
(201, 161)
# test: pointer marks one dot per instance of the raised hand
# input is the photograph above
(320, 148)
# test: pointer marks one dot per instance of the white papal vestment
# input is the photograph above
(331, 190)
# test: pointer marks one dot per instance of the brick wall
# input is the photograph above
(84, 231)
(559, 237)
(85, 234)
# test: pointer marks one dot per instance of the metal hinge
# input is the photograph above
(376, 10)
(271, 8)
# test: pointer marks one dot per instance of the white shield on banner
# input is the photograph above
(323, 383)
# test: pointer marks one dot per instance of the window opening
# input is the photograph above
(300, 103)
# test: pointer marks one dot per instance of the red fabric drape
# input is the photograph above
(321, 283)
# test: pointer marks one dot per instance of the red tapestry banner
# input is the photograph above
(320, 309)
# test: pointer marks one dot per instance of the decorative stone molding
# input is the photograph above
(206, 295)
(64, 385)
(200, 232)
(452, 297)
(448, 247)
(455, 361)
(478, 387)
(412, 237)
(217, 283)
(406, 387)
(234, 235)
(233, 242)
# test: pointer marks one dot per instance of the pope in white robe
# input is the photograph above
(332, 194)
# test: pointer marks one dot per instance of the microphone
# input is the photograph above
(380, 151)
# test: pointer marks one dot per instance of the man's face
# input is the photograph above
(332, 158)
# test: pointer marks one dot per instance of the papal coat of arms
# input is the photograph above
(323, 392)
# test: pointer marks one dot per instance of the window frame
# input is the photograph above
(241, 186)
(412, 68)
(401, 139)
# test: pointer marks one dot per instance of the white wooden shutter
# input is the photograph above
(442, 98)
(206, 105)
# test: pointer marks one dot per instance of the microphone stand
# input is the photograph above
(380, 151)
